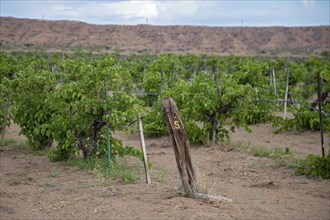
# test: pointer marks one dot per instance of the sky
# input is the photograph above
(175, 12)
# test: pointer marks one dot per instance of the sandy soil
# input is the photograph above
(258, 187)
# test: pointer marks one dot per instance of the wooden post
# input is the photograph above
(194, 74)
(181, 146)
(320, 111)
(161, 80)
(215, 123)
(5, 117)
(143, 147)
(145, 70)
(286, 90)
(172, 85)
(182, 153)
(107, 123)
(274, 81)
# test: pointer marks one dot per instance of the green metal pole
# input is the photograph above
(108, 141)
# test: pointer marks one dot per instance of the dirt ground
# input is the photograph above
(259, 188)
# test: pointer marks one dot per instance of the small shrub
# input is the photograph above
(21, 173)
(54, 174)
(108, 171)
(268, 152)
(315, 166)
(261, 151)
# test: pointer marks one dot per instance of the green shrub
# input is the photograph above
(315, 166)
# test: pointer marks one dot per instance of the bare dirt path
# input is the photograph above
(32, 187)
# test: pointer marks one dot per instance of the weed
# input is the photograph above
(160, 175)
(293, 164)
(52, 185)
(280, 162)
(241, 145)
(70, 190)
(203, 184)
(107, 171)
(252, 166)
(279, 152)
(21, 173)
(54, 174)
(261, 151)
(22, 145)
(268, 152)
(12, 142)
(7, 141)
(80, 163)
(43, 152)
(16, 182)
(121, 170)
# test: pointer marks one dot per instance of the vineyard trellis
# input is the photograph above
(211, 92)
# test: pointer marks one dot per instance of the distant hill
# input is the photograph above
(25, 33)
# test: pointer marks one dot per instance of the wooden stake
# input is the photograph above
(286, 91)
(143, 147)
(215, 123)
(181, 146)
(274, 81)
(182, 153)
(320, 111)
(107, 123)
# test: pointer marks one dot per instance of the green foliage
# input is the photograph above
(154, 123)
(304, 119)
(30, 111)
(204, 101)
(73, 113)
(61, 96)
(8, 68)
(315, 166)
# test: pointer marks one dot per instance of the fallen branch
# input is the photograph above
(59, 205)
(211, 198)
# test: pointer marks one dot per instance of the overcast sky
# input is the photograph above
(176, 12)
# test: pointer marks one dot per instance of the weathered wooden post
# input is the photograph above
(320, 111)
(182, 153)
(181, 146)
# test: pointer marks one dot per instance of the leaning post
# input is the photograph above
(181, 147)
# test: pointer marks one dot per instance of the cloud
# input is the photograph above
(308, 3)
(125, 9)
(175, 12)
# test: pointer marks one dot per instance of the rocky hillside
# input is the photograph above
(24, 33)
